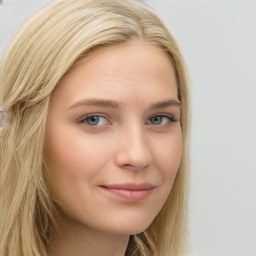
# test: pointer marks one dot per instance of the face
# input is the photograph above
(114, 139)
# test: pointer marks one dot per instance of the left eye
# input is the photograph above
(95, 120)
(160, 120)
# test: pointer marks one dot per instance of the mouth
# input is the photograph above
(130, 191)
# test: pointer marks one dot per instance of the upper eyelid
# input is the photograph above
(168, 115)
(82, 118)
(162, 114)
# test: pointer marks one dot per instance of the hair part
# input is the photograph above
(50, 43)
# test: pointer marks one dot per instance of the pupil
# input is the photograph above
(92, 120)
(157, 120)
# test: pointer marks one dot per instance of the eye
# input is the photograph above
(160, 119)
(95, 120)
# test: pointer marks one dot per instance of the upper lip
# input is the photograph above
(130, 186)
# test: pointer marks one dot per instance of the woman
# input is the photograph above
(94, 158)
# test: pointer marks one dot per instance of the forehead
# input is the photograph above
(134, 70)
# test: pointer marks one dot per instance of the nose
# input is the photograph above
(133, 150)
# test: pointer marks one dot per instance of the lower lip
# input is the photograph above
(131, 195)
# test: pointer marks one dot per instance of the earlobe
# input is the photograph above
(4, 118)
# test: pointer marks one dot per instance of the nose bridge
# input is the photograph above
(134, 148)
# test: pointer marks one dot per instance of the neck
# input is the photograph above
(70, 238)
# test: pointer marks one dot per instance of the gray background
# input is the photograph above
(218, 40)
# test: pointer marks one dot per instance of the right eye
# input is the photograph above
(95, 120)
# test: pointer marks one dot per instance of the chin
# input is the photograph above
(131, 227)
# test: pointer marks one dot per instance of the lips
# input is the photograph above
(130, 191)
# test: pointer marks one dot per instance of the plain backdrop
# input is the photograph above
(218, 40)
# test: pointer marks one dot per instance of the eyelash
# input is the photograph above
(170, 117)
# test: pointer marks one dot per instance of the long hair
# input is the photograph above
(43, 50)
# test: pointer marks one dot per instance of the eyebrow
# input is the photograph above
(166, 103)
(114, 104)
(96, 102)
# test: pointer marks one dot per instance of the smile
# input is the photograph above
(130, 192)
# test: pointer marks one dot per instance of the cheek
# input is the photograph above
(74, 160)
(169, 151)
(72, 166)
(66, 160)
(168, 158)
(68, 152)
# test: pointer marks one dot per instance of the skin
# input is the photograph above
(130, 140)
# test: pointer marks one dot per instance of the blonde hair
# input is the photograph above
(43, 50)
